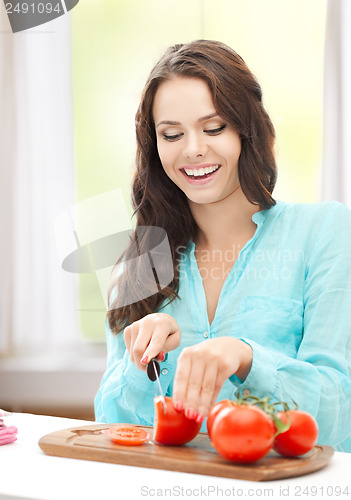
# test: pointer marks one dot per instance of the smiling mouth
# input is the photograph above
(201, 173)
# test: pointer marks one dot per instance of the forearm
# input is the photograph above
(121, 390)
(323, 391)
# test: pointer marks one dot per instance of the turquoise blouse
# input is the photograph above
(288, 296)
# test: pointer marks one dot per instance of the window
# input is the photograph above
(115, 44)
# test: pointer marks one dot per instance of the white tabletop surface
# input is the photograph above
(26, 472)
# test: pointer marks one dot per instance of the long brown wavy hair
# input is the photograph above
(156, 200)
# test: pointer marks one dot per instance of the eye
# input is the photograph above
(215, 131)
(172, 138)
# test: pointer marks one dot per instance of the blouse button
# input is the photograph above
(164, 371)
(206, 335)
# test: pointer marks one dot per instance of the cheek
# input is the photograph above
(231, 150)
(161, 152)
(167, 154)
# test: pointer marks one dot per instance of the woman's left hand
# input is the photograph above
(202, 370)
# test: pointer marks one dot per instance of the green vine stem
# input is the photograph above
(269, 408)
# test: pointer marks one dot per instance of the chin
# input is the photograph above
(202, 200)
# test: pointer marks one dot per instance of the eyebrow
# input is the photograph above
(202, 119)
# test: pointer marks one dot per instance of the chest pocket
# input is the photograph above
(273, 322)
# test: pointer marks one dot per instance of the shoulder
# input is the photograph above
(309, 226)
(316, 214)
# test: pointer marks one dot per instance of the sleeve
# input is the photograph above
(122, 387)
(125, 394)
(318, 380)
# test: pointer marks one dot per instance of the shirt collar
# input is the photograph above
(259, 218)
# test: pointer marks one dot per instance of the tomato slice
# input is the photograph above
(172, 427)
(127, 434)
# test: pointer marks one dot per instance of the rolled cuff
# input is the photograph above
(262, 379)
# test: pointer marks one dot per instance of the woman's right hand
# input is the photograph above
(150, 336)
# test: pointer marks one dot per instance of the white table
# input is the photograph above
(26, 472)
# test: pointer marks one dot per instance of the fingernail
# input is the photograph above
(190, 413)
(199, 418)
(162, 356)
(144, 360)
(179, 406)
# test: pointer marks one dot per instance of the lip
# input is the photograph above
(198, 182)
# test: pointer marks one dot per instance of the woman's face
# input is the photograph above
(198, 149)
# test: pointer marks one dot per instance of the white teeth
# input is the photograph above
(201, 171)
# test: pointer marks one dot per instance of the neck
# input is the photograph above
(224, 223)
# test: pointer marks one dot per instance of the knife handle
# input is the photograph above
(153, 366)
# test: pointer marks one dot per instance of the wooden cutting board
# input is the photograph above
(198, 456)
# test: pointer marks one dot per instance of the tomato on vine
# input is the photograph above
(245, 430)
(214, 412)
(300, 437)
(242, 433)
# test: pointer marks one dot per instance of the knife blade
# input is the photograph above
(153, 372)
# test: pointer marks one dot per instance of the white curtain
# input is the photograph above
(37, 298)
(336, 172)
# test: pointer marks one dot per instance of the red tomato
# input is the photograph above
(242, 433)
(172, 427)
(300, 437)
(214, 412)
(127, 434)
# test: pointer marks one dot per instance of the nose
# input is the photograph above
(195, 146)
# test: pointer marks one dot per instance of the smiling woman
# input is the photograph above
(277, 328)
(184, 92)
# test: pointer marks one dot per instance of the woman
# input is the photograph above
(261, 290)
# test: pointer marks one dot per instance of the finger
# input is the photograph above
(127, 337)
(136, 341)
(130, 333)
(194, 386)
(161, 356)
(181, 379)
(172, 341)
(214, 399)
(140, 344)
(157, 343)
(218, 387)
(209, 390)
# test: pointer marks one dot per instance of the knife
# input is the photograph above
(153, 372)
